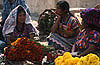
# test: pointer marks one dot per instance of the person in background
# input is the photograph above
(97, 6)
(65, 28)
(9, 5)
(88, 40)
(18, 24)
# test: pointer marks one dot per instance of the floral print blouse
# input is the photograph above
(71, 24)
(27, 29)
(85, 39)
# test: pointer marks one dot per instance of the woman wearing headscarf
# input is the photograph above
(18, 24)
(65, 28)
(9, 5)
(88, 40)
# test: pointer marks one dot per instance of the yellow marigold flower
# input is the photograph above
(15, 42)
(82, 61)
(63, 63)
(67, 55)
(59, 62)
(75, 60)
(58, 58)
(68, 62)
(96, 63)
(93, 58)
(18, 39)
(99, 62)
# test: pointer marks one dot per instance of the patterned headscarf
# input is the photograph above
(91, 16)
(10, 22)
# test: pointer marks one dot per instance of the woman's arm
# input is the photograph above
(55, 26)
(67, 33)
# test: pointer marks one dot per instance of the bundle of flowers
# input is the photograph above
(67, 59)
(25, 49)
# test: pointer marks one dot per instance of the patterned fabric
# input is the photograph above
(91, 16)
(61, 42)
(70, 25)
(10, 23)
(27, 29)
(7, 7)
(85, 39)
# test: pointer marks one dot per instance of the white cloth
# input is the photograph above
(10, 22)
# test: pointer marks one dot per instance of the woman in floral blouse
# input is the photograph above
(65, 28)
(88, 40)
(18, 24)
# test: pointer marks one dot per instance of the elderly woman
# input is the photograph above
(65, 28)
(88, 40)
(18, 24)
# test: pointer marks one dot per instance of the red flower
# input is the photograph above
(25, 49)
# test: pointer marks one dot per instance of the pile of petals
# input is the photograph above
(25, 49)
(67, 59)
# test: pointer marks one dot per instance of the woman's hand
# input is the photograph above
(55, 26)
(8, 39)
(58, 17)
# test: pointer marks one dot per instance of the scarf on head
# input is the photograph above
(10, 22)
(91, 16)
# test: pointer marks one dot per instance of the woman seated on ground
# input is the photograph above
(88, 39)
(8, 6)
(65, 28)
(18, 24)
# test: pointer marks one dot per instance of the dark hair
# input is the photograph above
(64, 6)
(20, 9)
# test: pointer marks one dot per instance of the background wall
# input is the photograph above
(38, 6)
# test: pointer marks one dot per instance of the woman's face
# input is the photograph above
(21, 17)
(58, 10)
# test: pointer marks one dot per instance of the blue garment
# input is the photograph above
(7, 7)
(2, 46)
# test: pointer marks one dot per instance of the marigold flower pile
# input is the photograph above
(25, 49)
(67, 59)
